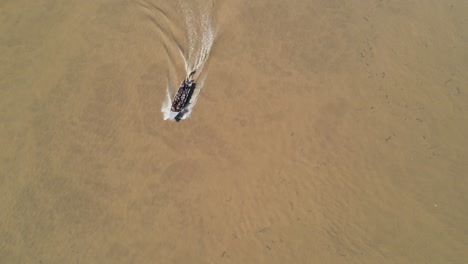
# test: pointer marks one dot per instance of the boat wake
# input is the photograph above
(198, 22)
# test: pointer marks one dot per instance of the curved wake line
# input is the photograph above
(200, 40)
(166, 106)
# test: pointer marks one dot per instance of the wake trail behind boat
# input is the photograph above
(198, 20)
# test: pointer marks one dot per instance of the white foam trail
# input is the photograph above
(200, 40)
(199, 33)
(166, 106)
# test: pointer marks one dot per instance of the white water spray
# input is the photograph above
(198, 19)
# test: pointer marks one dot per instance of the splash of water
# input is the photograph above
(198, 20)
(166, 106)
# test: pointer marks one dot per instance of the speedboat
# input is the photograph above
(182, 98)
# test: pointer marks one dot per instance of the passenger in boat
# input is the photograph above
(181, 89)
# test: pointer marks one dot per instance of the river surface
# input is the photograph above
(323, 131)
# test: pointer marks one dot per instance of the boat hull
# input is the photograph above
(182, 99)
